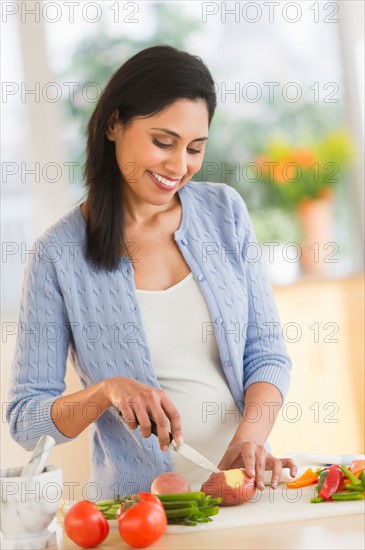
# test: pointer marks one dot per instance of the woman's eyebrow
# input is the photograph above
(174, 134)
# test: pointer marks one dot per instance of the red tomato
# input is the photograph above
(138, 497)
(149, 497)
(85, 524)
(142, 524)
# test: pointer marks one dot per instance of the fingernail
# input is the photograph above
(251, 472)
(274, 484)
(165, 448)
(261, 485)
(179, 440)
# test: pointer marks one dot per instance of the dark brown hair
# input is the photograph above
(143, 86)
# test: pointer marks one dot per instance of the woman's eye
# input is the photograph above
(162, 145)
(167, 145)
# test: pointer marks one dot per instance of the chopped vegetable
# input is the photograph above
(109, 508)
(308, 478)
(343, 483)
(348, 496)
(322, 477)
(189, 508)
(331, 483)
(353, 479)
(339, 483)
(352, 488)
(174, 497)
(357, 466)
(317, 499)
(180, 508)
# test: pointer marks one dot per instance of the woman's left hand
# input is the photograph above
(255, 460)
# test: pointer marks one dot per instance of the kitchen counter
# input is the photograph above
(342, 532)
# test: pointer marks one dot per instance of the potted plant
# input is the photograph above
(302, 179)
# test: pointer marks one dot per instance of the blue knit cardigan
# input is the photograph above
(69, 308)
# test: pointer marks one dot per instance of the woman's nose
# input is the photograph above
(177, 163)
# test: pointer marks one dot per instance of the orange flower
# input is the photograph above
(304, 157)
(273, 169)
(284, 170)
(282, 173)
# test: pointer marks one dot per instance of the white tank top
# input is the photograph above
(190, 371)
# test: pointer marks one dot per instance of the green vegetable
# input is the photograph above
(189, 508)
(317, 499)
(322, 477)
(181, 512)
(351, 487)
(353, 490)
(174, 497)
(181, 504)
(354, 480)
(209, 510)
(363, 479)
(348, 496)
(190, 512)
(181, 508)
(109, 507)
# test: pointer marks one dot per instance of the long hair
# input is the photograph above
(144, 85)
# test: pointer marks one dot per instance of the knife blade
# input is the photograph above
(186, 451)
(191, 454)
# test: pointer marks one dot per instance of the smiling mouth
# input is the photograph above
(166, 181)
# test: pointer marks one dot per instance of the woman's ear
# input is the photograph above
(112, 126)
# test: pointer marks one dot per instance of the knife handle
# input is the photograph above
(153, 427)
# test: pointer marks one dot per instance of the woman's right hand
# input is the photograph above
(137, 401)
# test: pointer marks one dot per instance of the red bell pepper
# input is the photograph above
(331, 483)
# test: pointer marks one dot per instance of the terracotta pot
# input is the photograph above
(318, 247)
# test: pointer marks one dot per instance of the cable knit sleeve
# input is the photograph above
(265, 355)
(39, 364)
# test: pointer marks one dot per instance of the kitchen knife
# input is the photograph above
(186, 451)
(191, 454)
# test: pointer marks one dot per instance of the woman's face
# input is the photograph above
(158, 155)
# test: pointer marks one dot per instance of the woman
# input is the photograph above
(152, 289)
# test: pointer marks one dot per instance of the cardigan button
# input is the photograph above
(201, 278)
(219, 320)
(184, 241)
